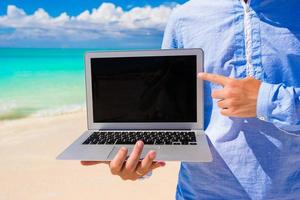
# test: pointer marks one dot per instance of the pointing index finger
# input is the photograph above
(214, 78)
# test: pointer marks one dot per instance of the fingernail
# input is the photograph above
(139, 143)
(152, 155)
(199, 74)
(123, 149)
(161, 163)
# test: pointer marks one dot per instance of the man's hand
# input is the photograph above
(133, 168)
(238, 98)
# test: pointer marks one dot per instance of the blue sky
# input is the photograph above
(84, 23)
(74, 7)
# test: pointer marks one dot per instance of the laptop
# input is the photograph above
(153, 96)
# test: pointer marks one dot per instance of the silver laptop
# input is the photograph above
(153, 96)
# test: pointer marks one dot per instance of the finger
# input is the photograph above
(87, 163)
(117, 163)
(223, 104)
(226, 112)
(218, 94)
(146, 163)
(134, 157)
(157, 165)
(218, 79)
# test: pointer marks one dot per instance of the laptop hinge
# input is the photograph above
(144, 129)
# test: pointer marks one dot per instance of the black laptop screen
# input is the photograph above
(144, 89)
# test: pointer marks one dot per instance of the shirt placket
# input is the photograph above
(247, 30)
(252, 42)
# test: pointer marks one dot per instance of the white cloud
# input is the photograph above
(13, 12)
(108, 20)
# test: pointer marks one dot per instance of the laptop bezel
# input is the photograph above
(198, 125)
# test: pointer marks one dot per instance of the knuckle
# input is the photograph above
(219, 103)
(122, 152)
(133, 178)
(231, 83)
(123, 178)
(223, 112)
(230, 103)
(112, 166)
(134, 155)
(229, 93)
(142, 171)
(129, 178)
(127, 168)
(113, 171)
(155, 167)
(214, 94)
(234, 111)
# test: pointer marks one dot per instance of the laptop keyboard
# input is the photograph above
(148, 137)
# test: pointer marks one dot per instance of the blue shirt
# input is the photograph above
(254, 158)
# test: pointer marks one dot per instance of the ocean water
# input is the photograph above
(36, 82)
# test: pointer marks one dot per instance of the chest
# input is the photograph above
(273, 51)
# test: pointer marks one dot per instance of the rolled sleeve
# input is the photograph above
(280, 105)
(264, 101)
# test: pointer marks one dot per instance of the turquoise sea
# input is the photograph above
(37, 82)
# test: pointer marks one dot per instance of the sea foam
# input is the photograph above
(59, 110)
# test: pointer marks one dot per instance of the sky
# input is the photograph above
(118, 24)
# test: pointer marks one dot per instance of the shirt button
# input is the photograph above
(262, 118)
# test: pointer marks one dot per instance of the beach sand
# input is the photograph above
(29, 170)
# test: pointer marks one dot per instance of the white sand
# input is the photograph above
(28, 169)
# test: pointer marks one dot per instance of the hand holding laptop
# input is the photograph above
(132, 168)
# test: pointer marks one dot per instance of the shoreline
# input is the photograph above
(29, 146)
(50, 117)
(13, 114)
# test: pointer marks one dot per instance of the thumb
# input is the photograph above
(158, 164)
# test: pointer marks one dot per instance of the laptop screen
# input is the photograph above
(144, 89)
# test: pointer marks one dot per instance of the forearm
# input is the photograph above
(280, 105)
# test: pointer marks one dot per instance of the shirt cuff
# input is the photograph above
(263, 101)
